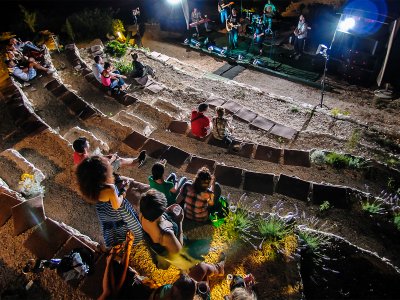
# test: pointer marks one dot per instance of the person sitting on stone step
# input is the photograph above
(27, 72)
(222, 129)
(200, 124)
(81, 151)
(112, 79)
(196, 197)
(170, 186)
(140, 70)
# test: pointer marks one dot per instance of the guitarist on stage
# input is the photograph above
(223, 10)
(269, 12)
(259, 35)
(232, 25)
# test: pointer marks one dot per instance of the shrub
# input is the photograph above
(237, 223)
(318, 157)
(92, 23)
(69, 30)
(396, 221)
(337, 160)
(29, 18)
(116, 48)
(273, 228)
(117, 26)
(374, 208)
(324, 206)
(353, 140)
(312, 240)
(124, 67)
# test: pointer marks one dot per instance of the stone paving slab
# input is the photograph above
(154, 148)
(51, 85)
(129, 99)
(258, 182)
(6, 203)
(135, 140)
(232, 107)
(197, 162)
(246, 150)
(245, 115)
(334, 194)
(33, 125)
(58, 91)
(296, 158)
(155, 88)
(47, 238)
(293, 187)
(214, 101)
(164, 58)
(175, 156)
(267, 153)
(283, 131)
(262, 123)
(179, 127)
(28, 214)
(229, 176)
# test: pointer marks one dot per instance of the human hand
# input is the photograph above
(163, 162)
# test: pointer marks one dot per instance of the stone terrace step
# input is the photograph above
(76, 132)
(134, 122)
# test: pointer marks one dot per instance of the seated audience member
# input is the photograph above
(162, 225)
(222, 128)
(115, 213)
(13, 53)
(24, 46)
(196, 197)
(200, 123)
(98, 67)
(81, 151)
(29, 72)
(112, 80)
(170, 186)
(140, 70)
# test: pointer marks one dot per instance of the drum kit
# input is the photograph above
(249, 20)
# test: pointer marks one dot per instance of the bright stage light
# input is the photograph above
(173, 2)
(346, 24)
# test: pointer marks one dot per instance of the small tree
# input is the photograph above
(69, 30)
(29, 18)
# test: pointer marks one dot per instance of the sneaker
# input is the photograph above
(51, 71)
(237, 147)
(142, 158)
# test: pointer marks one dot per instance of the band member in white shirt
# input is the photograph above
(196, 17)
(300, 35)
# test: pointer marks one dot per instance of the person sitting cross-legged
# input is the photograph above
(81, 151)
(199, 195)
(170, 186)
(111, 79)
(200, 123)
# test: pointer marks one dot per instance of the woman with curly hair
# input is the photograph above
(115, 213)
(199, 195)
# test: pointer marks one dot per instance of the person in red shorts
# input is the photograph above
(200, 123)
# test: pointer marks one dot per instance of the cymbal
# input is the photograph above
(251, 10)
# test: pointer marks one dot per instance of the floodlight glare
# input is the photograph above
(346, 24)
(173, 2)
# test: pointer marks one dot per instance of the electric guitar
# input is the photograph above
(230, 26)
(221, 7)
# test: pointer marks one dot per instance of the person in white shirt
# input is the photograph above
(29, 72)
(300, 34)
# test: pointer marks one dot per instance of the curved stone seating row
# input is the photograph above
(338, 196)
(239, 112)
(49, 238)
(75, 103)
(20, 108)
(291, 157)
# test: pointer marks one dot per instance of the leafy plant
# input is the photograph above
(396, 221)
(117, 26)
(337, 160)
(353, 140)
(324, 206)
(294, 110)
(29, 18)
(273, 228)
(393, 162)
(237, 222)
(356, 162)
(375, 207)
(318, 157)
(313, 240)
(124, 67)
(69, 30)
(336, 112)
(116, 48)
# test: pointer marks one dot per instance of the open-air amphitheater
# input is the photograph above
(274, 168)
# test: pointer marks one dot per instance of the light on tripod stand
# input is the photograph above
(322, 50)
(216, 49)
